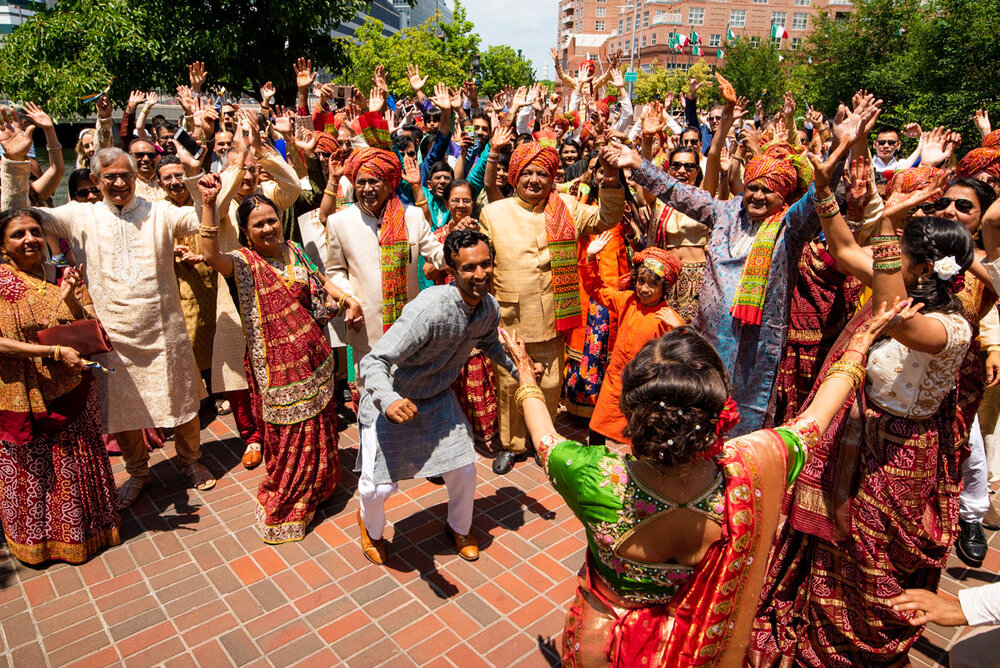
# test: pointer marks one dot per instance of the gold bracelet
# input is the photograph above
(420, 203)
(526, 391)
(850, 370)
(326, 191)
(57, 354)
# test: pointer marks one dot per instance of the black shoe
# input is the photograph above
(971, 543)
(436, 479)
(504, 461)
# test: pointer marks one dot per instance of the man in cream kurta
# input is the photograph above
(523, 277)
(353, 252)
(127, 253)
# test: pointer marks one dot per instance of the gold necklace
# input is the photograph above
(43, 284)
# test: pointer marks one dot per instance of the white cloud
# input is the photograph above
(529, 25)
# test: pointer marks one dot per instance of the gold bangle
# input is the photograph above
(420, 203)
(326, 191)
(525, 392)
(57, 354)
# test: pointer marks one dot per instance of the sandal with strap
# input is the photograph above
(199, 476)
(253, 456)
(130, 491)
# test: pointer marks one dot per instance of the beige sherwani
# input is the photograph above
(128, 265)
(354, 264)
(522, 284)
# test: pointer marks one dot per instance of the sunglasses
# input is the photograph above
(690, 142)
(962, 205)
(138, 155)
(715, 118)
(690, 166)
(87, 192)
(886, 142)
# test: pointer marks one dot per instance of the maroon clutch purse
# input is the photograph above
(87, 337)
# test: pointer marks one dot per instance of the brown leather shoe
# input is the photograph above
(467, 546)
(252, 456)
(374, 550)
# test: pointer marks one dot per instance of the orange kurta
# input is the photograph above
(636, 326)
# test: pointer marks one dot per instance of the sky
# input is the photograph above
(529, 25)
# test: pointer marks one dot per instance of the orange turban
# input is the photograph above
(603, 109)
(661, 262)
(531, 152)
(908, 181)
(992, 140)
(327, 143)
(979, 160)
(775, 174)
(378, 162)
(567, 120)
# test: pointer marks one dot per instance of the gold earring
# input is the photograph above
(4, 256)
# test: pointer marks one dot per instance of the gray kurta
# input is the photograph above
(418, 359)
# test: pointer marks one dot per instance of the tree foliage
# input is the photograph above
(931, 61)
(64, 54)
(443, 51)
(504, 66)
(658, 83)
(755, 71)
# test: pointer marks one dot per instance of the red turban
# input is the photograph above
(661, 262)
(908, 181)
(774, 174)
(603, 109)
(992, 140)
(590, 65)
(378, 162)
(566, 121)
(327, 143)
(979, 160)
(531, 152)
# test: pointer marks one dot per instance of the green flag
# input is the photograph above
(729, 35)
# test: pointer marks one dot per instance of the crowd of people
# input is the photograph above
(785, 346)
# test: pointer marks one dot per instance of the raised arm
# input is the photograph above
(209, 186)
(733, 112)
(47, 183)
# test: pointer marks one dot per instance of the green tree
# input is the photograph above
(657, 83)
(503, 66)
(755, 72)
(61, 55)
(443, 51)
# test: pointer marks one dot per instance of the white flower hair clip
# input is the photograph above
(947, 268)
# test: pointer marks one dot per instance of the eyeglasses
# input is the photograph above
(690, 166)
(886, 142)
(87, 192)
(962, 205)
(127, 177)
(139, 155)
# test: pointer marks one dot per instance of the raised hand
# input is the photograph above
(668, 102)
(197, 74)
(652, 118)
(788, 105)
(267, 93)
(726, 89)
(379, 79)
(411, 172)
(734, 111)
(135, 98)
(209, 186)
(284, 123)
(938, 145)
(695, 85)
(554, 53)
(617, 80)
(503, 135)
(583, 75)
(621, 156)
(442, 97)
(104, 106)
(38, 117)
(598, 244)
(304, 74)
(982, 121)
(306, 142)
(913, 130)
(858, 184)
(152, 97)
(376, 100)
(14, 137)
(898, 210)
(186, 100)
(417, 82)
(336, 166)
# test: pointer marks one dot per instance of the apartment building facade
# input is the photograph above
(676, 33)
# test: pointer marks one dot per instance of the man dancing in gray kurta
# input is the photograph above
(411, 423)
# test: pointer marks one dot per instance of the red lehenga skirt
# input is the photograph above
(57, 492)
(476, 389)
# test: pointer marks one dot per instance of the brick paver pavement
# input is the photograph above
(194, 585)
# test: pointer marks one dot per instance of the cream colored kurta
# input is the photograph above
(354, 264)
(128, 265)
(229, 345)
(522, 280)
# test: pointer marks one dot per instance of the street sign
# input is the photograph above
(631, 77)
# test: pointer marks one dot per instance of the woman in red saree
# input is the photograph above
(689, 601)
(57, 492)
(289, 363)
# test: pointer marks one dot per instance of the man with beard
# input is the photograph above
(412, 425)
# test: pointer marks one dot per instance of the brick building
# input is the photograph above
(652, 27)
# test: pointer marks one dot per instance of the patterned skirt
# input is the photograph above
(683, 297)
(476, 389)
(825, 604)
(57, 493)
(585, 375)
(302, 466)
